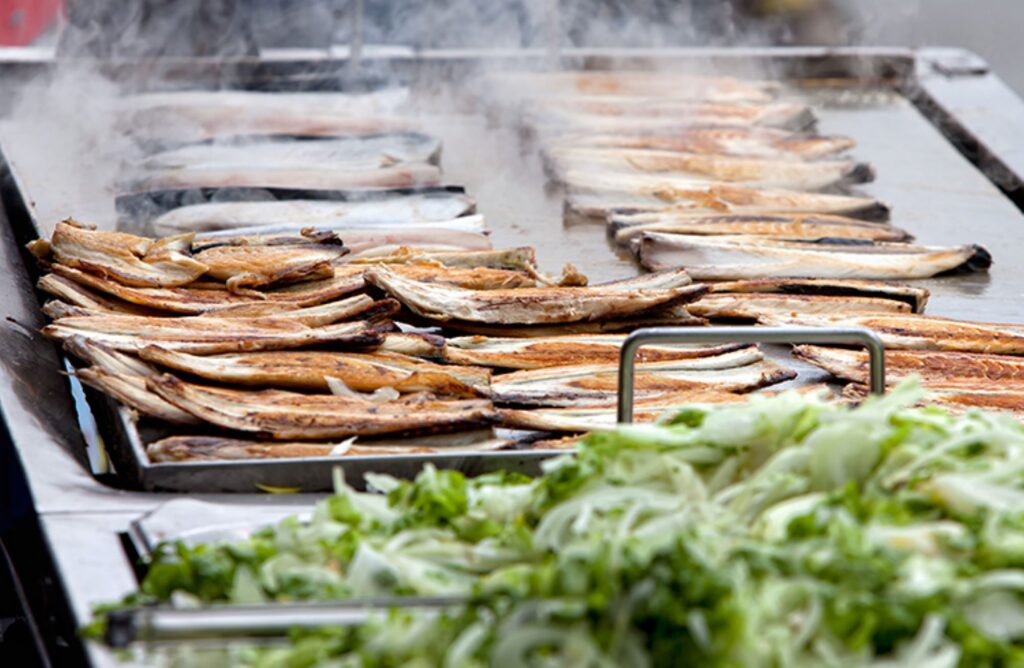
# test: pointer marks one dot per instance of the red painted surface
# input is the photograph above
(21, 21)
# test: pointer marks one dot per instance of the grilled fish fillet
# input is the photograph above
(598, 194)
(192, 300)
(674, 316)
(717, 140)
(737, 257)
(754, 306)
(809, 227)
(914, 297)
(526, 306)
(355, 153)
(78, 295)
(405, 175)
(656, 280)
(592, 385)
(959, 400)
(624, 83)
(242, 267)
(923, 332)
(207, 335)
(568, 115)
(539, 353)
(289, 415)
(936, 369)
(126, 258)
(131, 391)
(393, 210)
(309, 370)
(765, 172)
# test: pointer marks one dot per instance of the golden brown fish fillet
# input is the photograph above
(131, 391)
(504, 258)
(590, 385)
(78, 295)
(538, 353)
(913, 296)
(244, 267)
(809, 227)
(193, 300)
(923, 332)
(106, 358)
(207, 335)
(753, 306)
(310, 370)
(673, 316)
(936, 369)
(526, 306)
(289, 415)
(958, 400)
(126, 258)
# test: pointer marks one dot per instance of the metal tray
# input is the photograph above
(896, 103)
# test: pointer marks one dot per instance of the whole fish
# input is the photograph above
(809, 227)
(923, 332)
(310, 370)
(765, 172)
(718, 140)
(354, 153)
(936, 369)
(740, 257)
(289, 415)
(597, 384)
(393, 210)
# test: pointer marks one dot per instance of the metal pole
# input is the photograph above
(847, 335)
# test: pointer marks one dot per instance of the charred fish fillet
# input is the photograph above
(737, 257)
(807, 227)
(526, 306)
(754, 306)
(310, 370)
(715, 140)
(205, 335)
(290, 416)
(914, 297)
(126, 258)
(764, 172)
(406, 175)
(395, 210)
(192, 300)
(510, 353)
(923, 332)
(936, 369)
(599, 195)
(738, 371)
(132, 392)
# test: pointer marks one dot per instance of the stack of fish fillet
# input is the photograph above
(283, 346)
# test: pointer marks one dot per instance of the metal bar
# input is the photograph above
(848, 335)
(160, 624)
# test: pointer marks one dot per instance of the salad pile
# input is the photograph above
(784, 532)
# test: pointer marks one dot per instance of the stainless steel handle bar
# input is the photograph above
(845, 335)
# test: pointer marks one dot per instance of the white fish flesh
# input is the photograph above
(737, 257)
(393, 210)
(810, 227)
(766, 172)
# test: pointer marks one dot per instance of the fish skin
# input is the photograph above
(525, 306)
(538, 353)
(915, 297)
(764, 172)
(131, 391)
(207, 335)
(598, 196)
(718, 140)
(342, 152)
(397, 209)
(936, 369)
(591, 385)
(126, 258)
(737, 257)
(309, 370)
(243, 267)
(752, 305)
(191, 300)
(924, 332)
(291, 416)
(810, 227)
(405, 175)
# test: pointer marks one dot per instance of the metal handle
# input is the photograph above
(855, 335)
(162, 624)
